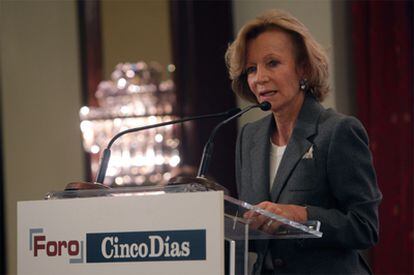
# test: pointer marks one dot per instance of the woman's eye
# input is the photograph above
(250, 70)
(273, 63)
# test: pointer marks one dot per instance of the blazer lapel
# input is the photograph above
(299, 144)
(259, 157)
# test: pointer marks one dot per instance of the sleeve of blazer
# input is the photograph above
(352, 181)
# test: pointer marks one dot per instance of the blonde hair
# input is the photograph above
(309, 53)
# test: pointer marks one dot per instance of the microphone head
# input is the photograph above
(265, 106)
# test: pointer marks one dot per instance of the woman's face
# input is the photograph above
(271, 70)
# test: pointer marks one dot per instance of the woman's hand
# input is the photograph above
(290, 211)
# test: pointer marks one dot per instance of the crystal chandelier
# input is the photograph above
(135, 96)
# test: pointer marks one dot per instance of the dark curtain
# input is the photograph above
(201, 32)
(90, 46)
(383, 50)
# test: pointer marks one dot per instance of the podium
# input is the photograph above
(173, 229)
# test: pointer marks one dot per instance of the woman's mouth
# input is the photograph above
(267, 94)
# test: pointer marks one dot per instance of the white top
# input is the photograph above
(276, 154)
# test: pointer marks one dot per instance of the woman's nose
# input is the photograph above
(261, 75)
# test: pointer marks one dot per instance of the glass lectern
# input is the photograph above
(236, 232)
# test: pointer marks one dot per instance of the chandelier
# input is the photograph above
(135, 96)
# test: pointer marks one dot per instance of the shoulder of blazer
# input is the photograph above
(256, 129)
(264, 121)
(332, 121)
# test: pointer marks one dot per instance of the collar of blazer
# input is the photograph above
(299, 144)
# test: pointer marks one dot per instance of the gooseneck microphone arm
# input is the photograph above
(208, 147)
(107, 152)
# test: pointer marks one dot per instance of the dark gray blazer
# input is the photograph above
(337, 183)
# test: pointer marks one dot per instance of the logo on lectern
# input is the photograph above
(42, 246)
(176, 245)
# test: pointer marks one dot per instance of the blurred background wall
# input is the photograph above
(40, 101)
(135, 30)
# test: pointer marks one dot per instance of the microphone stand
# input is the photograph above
(98, 184)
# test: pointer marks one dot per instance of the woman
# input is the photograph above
(302, 162)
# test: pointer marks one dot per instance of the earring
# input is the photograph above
(303, 84)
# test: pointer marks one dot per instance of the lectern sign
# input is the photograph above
(165, 234)
(181, 245)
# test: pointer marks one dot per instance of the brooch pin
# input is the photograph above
(308, 154)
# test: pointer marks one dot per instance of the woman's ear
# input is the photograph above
(301, 70)
(306, 69)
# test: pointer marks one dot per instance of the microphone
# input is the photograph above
(208, 147)
(107, 152)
